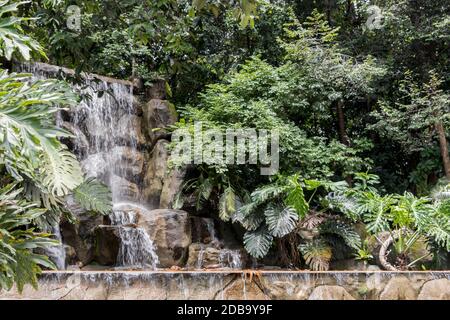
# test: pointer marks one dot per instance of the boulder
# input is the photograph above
(170, 231)
(107, 244)
(201, 256)
(330, 293)
(129, 128)
(155, 175)
(398, 288)
(157, 115)
(438, 289)
(80, 235)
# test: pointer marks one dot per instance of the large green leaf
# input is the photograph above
(258, 242)
(12, 38)
(280, 221)
(227, 204)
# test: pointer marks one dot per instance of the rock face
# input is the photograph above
(136, 136)
(155, 175)
(127, 162)
(438, 289)
(172, 185)
(219, 285)
(128, 191)
(398, 288)
(80, 235)
(158, 114)
(330, 293)
(170, 231)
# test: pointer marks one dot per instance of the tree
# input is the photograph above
(417, 116)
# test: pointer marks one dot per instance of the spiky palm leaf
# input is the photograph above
(280, 220)
(258, 242)
(93, 195)
(250, 221)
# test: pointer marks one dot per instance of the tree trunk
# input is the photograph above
(341, 124)
(444, 148)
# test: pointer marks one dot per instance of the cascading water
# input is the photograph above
(106, 145)
(57, 254)
(136, 247)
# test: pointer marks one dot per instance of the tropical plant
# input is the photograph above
(408, 220)
(18, 263)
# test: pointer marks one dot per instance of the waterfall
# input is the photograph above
(106, 144)
(57, 254)
(136, 248)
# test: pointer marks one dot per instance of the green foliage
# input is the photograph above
(317, 254)
(12, 39)
(258, 242)
(29, 139)
(280, 220)
(18, 264)
(93, 195)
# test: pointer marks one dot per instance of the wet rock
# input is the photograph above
(242, 289)
(71, 256)
(107, 244)
(398, 288)
(95, 165)
(158, 114)
(438, 289)
(127, 190)
(170, 231)
(201, 256)
(127, 162)
(130, 128)
(80, 234)
(283, 290)
(155, 175)
(330, 293)
(204, 230)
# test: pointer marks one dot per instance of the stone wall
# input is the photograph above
(224, 285)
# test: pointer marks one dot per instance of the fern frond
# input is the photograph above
(93, 195)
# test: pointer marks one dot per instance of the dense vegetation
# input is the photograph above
(363, 116)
